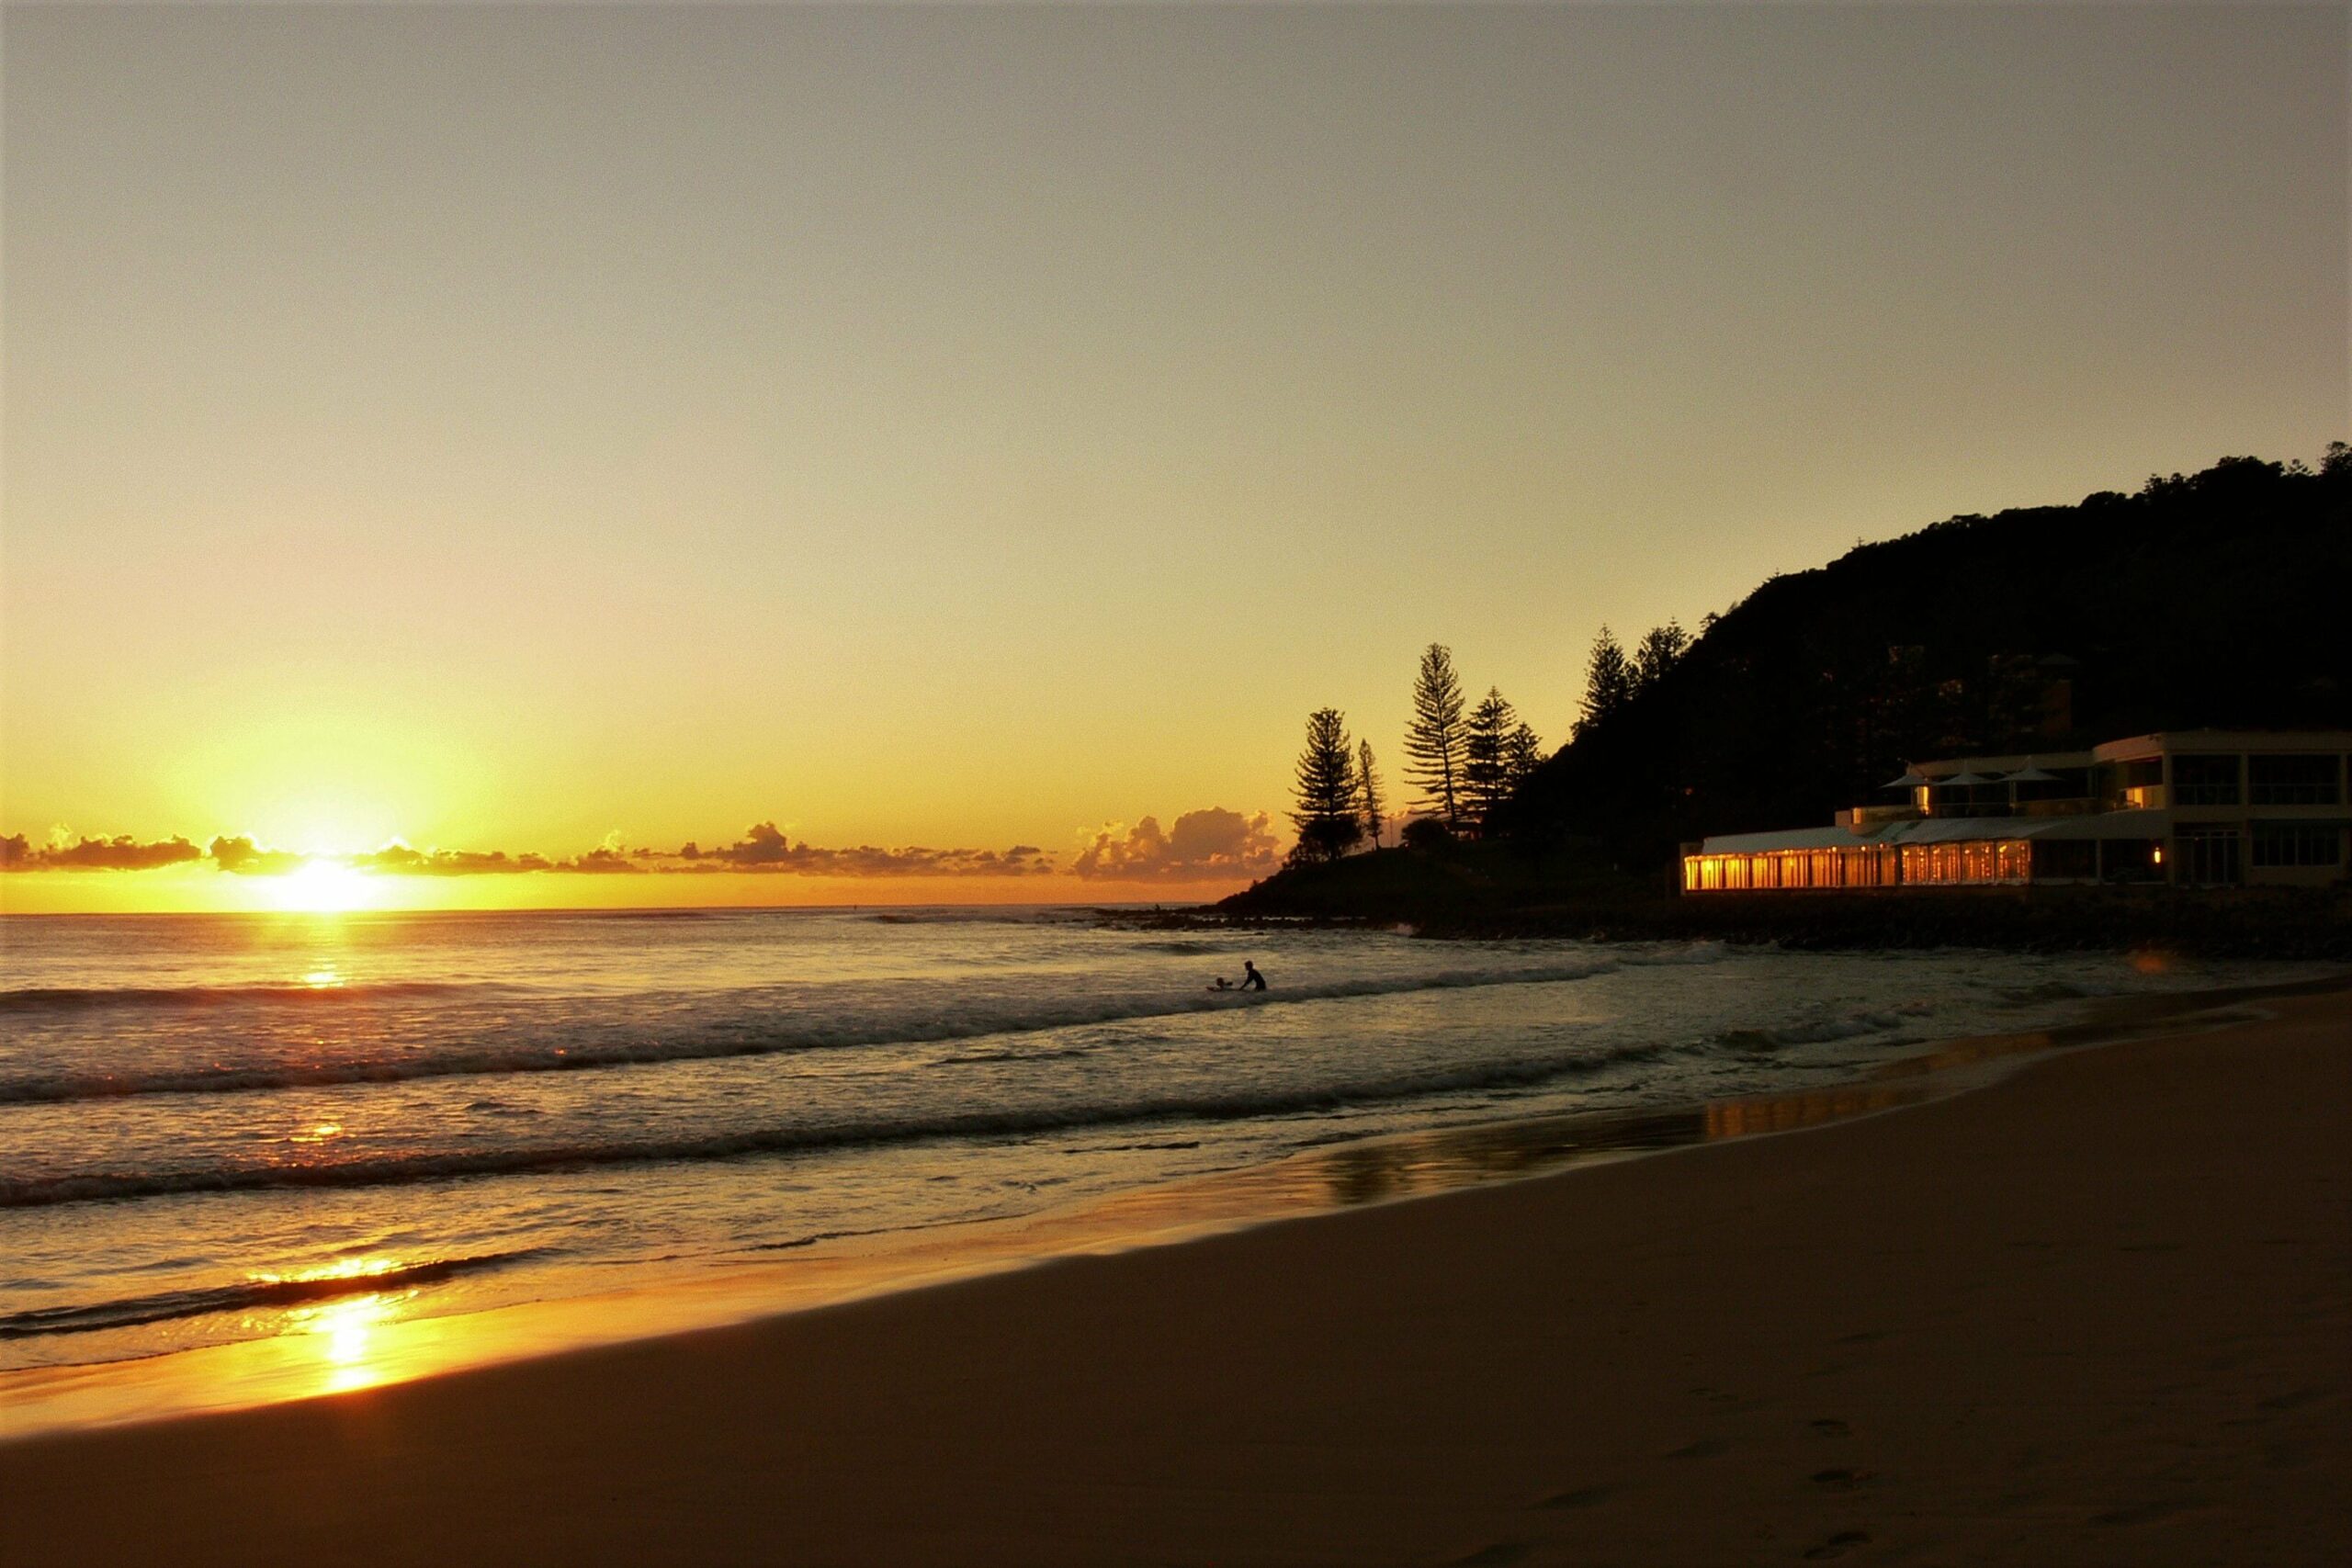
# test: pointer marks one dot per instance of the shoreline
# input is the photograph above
(1097, 1359)
(1470, 892)
(361, 1341)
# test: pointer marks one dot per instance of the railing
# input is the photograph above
(1856, 819)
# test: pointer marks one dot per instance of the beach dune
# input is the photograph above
(2099, 1312)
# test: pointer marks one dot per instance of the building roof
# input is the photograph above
(1939, 770)
(1948, 831)
(2266, 740)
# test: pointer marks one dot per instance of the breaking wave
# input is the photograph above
(398, 1170)
(63, 999)
(744, 1033)
(130, 1312)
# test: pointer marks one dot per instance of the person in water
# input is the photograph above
(1220, 984)
(1250, 979)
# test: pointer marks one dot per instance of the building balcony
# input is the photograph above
(1860, 818)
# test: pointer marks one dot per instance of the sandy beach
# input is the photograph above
(2100, 1312)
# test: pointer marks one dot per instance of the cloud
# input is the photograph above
(121, 852)
(402, 861)
(767, 849)
(610, 859)
(1205, 846)
(763, 848)
(240, 856)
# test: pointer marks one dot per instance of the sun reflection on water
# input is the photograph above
(347, 1332)
(343, 1269)
(344, 1330)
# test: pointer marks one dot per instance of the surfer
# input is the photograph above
(1250, 979)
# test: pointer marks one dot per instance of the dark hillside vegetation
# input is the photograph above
(2214, 600)
(2210, 600)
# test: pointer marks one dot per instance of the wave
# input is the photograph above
(133, 1311)
(1824, 1028)
(543, 1056)
(61, 998)
(405, 1169)
(978, 915)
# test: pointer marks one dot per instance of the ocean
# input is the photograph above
(215, 1128)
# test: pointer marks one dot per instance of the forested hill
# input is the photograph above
(2216, 599)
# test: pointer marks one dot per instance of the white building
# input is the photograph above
(2202, 808)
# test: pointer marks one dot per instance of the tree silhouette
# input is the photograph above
(1368, 793)
(1522, 755)
(1661, 649)
(1433, 738)
(1609, 683)
(1486, 764)
(1327, 821)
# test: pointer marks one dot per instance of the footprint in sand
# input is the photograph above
(1705, 1447)
(1837, 1545)
(2291, 1400)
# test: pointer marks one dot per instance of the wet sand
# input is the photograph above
(2099, 1312)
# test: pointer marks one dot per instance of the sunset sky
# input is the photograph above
(539, 430)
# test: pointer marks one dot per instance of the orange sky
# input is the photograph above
(521, 430)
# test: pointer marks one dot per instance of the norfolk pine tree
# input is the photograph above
(1609, 681)
(1522, 755)
(1433, 738)
(1485, 766)
(1661, 649)
(1368, 789)
(1327, 821)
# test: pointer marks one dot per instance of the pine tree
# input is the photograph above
(1486, 780)
(1522, 755)
(1326, 818)
(1661, 649)
(1368, 793)
(1609, 681)
(1433, 738)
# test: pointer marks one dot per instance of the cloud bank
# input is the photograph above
(1203, 846)
(121, 852)
(763, 849)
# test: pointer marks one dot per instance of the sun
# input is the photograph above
(324, 886)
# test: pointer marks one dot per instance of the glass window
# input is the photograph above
(2208, 857)
(2205, 780)
(2293, 779)
(2066, 859)
(2297, 843)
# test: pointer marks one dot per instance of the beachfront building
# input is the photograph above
(2188, 808)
